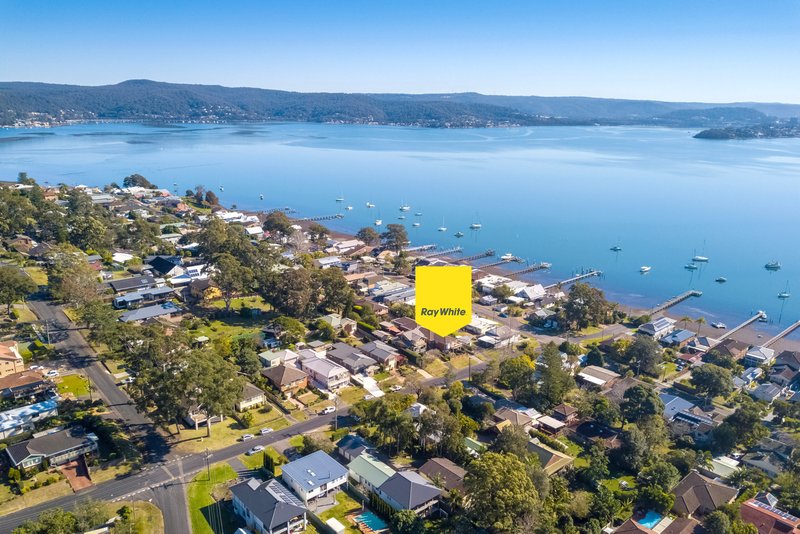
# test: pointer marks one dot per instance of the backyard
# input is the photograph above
(74, 386)
(345, 506)
(228, 431)
(201, 495)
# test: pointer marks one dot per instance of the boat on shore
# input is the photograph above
(719, 325)
(645, 269)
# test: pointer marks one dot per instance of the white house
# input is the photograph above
(759, 356)
(658, 328)
(326, 373)
(314, 475)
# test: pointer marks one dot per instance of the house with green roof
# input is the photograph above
(368, 471)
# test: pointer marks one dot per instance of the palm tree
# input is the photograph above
(686, 320)
(700, 322)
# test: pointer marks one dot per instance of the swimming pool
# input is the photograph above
(650, 519)
(372, 521)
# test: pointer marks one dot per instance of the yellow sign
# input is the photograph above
(444, 298)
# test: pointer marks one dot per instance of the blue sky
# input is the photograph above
(703, 50)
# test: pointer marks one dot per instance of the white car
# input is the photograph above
(369, 397)
(254, 450)
(247, 437)
(35, 367)
(396, 387)
(328, 410)
(128, 380)
(265, 431)
(52, 373)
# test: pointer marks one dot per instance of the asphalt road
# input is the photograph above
(165, 482)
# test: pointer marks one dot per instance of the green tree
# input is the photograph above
(634, 452)
(400, 309)
(712, 380)
(333, 290)
(53, 521)
(499, 491)
(15, 285)
(137, 180)
(408, 522)
(555, 380)
(70, 278)
(232, 278)
(318, 233)
(639, 402)
(655, 498)
(368, 235)
(214, 384)
(278, 225)
(212, 199)
(717, 523)
(517, 373)
(325, 330)
(395, 237)
(660, 473)
(52, 226)
(597, 469)
(291, 330)
(89, 233)
(644, 355)
(17, 213)
(89, 514)
(502, 292)
(585, 306)
(742, 427)
(99, 318)
(292, 293)
(605, 505)
(513, 440)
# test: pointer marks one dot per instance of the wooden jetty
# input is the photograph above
(419, 248)
(532, 268)
(485, 254)
(791, 328)
(574, 279)
(675, 300)
(322, 218)
(501, 262)
(745, 324)
(445, 252)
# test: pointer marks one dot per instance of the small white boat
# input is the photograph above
(764, 318)
(785, 294)
(261, 197)
(475, 226)
(691, 267)
(507, 256)
(339, 199)
(415, 225)
(405, 207)
(701, 259)
(459, 234)
(402, 217)
(644, 269)
(378, 222)
(773, 265)
(370, 205)
(719, 325)
(221, 188)
(615, 248)
(349, 208)
(418, 214)
(721, 280)
(442, 228)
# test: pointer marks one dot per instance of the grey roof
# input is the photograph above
(452, 475)
(136, 282)
(349, 357)
(314, 470)
(379, 350)
(144, 294)
(353, 444)
(409, 489)
(674, 404)
(48, 445)
(283, 375)
(149, 312)
(271, 502)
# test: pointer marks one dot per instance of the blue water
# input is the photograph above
(372, 521)
(650, 520)
(557, 194)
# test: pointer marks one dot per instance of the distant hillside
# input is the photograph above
(27, 103)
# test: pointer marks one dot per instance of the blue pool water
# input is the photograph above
(372, 521)
(650, 520)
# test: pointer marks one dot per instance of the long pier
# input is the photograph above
(675, 300)
(574, 279)
(419, 248)
(445, 252)
(485, 254)
(747, 323)
(791, 328)
(501, 262)
(323, 218)
(532, 268)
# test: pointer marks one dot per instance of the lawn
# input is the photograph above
(351, 395)
(110, 472)
(254, 461)
(201, 501)
(35, 496)
(75, 385)
(437, 368)
(248, 302)
(147, 518)
(296, 441)
(574, 450)
(228, 431)
(379, 377)
(345, 506)
(613, 484)
(37, 274)
(24, 314)
(460, 361)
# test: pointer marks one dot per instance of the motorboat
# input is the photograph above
(700, 259)
(691, 267)
(785, 294)
(475, 226)
(616, 248)
(405, 207)
(261, 197)
(763, 318)
(378, 222)
(349, 208)
(415, 225)
(369, 205)
(507, 256)
(719, 325)
(645, 269)
(339, 199)
(402, 217)
(222, 189)
(721, 280)
(418, 214)
(459, 234)
(773, 265)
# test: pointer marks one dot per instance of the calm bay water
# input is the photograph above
(559, 194)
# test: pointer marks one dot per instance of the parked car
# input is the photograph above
(247, 437)
(329, 409)
(265, 431)
(35, 367)
(52, 373)
(369, 397)
(254, 450)
(396, 387)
